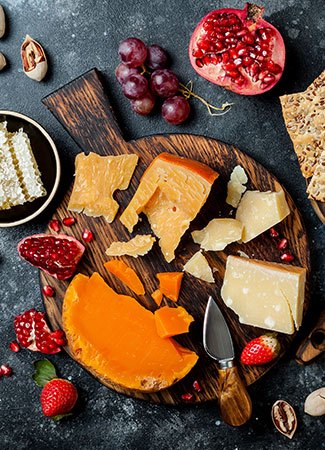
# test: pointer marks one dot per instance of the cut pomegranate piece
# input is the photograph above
(250, 51)
(33, 333)
(57, 255)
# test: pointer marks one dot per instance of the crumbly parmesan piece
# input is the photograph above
(304, 115)
(20, 180)
(199, 267)
(235, 187)
(138, 246)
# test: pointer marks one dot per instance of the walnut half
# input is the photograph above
(284, 418)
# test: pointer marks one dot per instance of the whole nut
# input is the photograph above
(2, 22)
(3, 61)
(315, 403)
(34, 59)
(284, 418)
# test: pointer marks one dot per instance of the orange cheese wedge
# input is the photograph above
(126, 274)
(171, 193)
(97, 178)
(116, 338)
(157, 296)
(170, 284)
(172, 321)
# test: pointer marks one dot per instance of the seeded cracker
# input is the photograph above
(304, 115)
(316, 187)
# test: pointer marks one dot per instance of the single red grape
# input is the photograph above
(157, 57)
(122, 71)
(133, 52)
(135, 86)
(164, 83)
(175, 110)
(144, 105)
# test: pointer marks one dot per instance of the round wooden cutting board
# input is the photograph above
(83, 108)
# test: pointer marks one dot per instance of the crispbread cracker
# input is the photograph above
(304, 115)
(316, 187)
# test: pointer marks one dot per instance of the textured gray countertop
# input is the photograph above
(77, 36)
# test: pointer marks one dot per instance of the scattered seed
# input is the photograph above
(49, 291)
(5, 370)
(197, 386)
(287, 257)
(69, 221)
(282, 244)
(187, 396)
(55, 225)
(87, 235)
(273, 233)
(14, 346)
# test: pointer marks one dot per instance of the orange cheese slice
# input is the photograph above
(172, 321)
(97, 178)
(126, 274)
(171, 193)
(170, 284)
(116, 338)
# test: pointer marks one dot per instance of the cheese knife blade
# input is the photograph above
(234, 401)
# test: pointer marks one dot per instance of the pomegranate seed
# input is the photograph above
(197, 386)
(287, 257)
(273, 233)
(247, 61)
(5, 370)
(55, 225)
(273, 67)
(233, 74)
(249, 39)
(219, 46)
(87, 235)
(268, 78)
(197, 53)
(69, 221)
(199, 63)
(282, 244)
(225, 57)
(187, 396)
(242, 32)
(230, 66)
(49, 291)
(238, 61)
(14, 346)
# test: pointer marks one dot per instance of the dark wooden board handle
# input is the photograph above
(314, 344)
(234, 401)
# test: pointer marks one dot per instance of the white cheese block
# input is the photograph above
(259, 211)
(218, 234)
(199, 267)
(264, 294)
(235, 187)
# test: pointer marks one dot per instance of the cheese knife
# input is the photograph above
(234, 401)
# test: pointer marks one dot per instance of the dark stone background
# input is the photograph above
(77, 36)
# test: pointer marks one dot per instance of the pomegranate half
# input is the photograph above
(57, 255)
(238, 50)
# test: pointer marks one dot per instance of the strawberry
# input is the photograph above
(261, 350)
(58, 396)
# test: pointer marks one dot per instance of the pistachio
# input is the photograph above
(315, 403)
(34, 59)
(284, 418)
(3, 61)
(2, 22)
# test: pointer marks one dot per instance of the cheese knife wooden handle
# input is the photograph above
(234, 401)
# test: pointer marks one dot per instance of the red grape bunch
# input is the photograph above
(145, 76)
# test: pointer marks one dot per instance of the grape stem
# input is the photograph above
(187, 92)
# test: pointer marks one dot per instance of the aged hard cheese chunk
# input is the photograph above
(218, 234)
(138, 246)
(97, 178)
(264, 294)
(116, 338)
(199, 267)
(235, 186)
(170, 284)
(171, 193)
(259, 211)
(125, 274)
(172, 321)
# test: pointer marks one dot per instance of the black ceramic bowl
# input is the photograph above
(48, 162)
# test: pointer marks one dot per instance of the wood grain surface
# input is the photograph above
(83, 108)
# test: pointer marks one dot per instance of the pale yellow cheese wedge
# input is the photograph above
(138, 246)
(171, 193)
(97, 178)
(264, 294)
(259, 211)
(199, 267)
(218, 234)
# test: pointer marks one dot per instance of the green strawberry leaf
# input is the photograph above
(61, 416)
(44, 372)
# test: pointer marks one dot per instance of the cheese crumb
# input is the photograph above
(235, 187)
